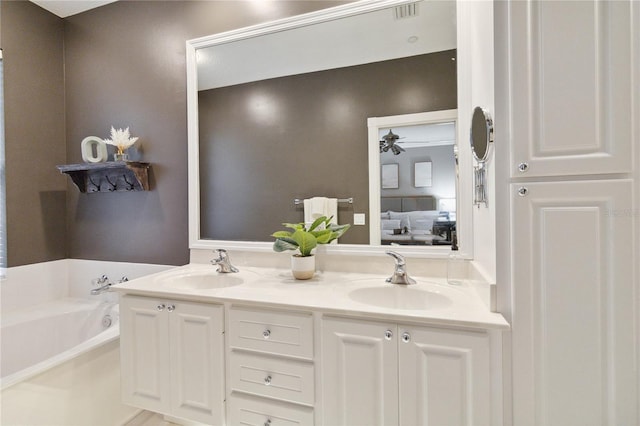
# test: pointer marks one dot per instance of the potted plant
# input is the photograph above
(304, 240)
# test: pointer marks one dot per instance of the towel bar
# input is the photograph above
(297, 201)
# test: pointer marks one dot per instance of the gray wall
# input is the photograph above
(309, 139)
(32, 43)
(125, 66)
(443, 172)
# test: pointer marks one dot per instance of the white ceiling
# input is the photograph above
(360, 39)
(423, 135)
(64, 8)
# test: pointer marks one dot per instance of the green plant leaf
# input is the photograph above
(294, 226)
(306, 242)
(283, 244)
(317, 223)
(323, 236)
(282, 234)
(337, 231)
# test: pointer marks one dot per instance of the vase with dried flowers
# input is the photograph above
(122, 140)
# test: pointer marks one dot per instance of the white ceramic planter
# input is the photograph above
(303, 268)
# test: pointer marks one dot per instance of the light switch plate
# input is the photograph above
(359, 219)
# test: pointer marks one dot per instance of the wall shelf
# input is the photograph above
(114, 176)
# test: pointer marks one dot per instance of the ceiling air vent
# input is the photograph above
(406, 11)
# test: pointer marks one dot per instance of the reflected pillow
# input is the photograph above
(390, 224)
(403, 218)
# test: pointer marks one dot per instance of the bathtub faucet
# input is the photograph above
(223, 262)
(104, 284)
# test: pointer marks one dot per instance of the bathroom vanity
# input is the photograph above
(258, 347)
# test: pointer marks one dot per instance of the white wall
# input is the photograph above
(476, 88)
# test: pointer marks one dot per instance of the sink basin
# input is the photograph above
(401, 297)
(200, 280)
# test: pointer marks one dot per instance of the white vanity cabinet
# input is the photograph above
(382, 373)
(172, 357)
(572, 336)
(568, 91)
(571, 76)
(270, 367)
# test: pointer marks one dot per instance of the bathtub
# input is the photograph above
(59, 357)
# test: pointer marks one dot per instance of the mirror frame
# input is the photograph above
(463, 212)
(359, 7)
(487, 135)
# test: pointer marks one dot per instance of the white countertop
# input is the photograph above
(326, 292)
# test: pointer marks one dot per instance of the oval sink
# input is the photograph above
(401, 297)
(201, 280)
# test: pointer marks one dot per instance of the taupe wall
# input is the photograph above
(125, 66)
(32, 43)
(265, 143)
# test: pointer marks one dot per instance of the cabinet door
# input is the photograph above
(197, 367)
(571, 85)
(359, 373)
(144, 353)
(573, 339)
(444, 377)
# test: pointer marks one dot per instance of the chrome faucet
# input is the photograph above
(223, 262)
(104, 284)
(400, 275)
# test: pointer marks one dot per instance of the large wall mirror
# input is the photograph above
(284, 111)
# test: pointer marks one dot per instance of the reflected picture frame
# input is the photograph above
(389, 176)
(422, 174)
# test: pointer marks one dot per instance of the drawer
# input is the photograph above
(247, 410)
(283, 333)
(273, 377)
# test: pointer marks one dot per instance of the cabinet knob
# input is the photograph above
(268, 422)
(266, 334)
(406, 337)
(161, 307)
(523, 167)
(388, 334)
(523, 191)
(171, 308)
(267, 380)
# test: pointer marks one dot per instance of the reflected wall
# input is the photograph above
(263, 144)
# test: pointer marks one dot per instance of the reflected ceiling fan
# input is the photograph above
(388, 142)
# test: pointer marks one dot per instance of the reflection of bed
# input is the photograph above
(410, 221)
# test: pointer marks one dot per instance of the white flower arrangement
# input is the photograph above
(121, 139)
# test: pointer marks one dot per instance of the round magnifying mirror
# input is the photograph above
(481, 134)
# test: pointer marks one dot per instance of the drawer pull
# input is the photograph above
(266, 334)
(267, 380)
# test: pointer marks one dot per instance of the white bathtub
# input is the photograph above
(59, 354)
(34, 340)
